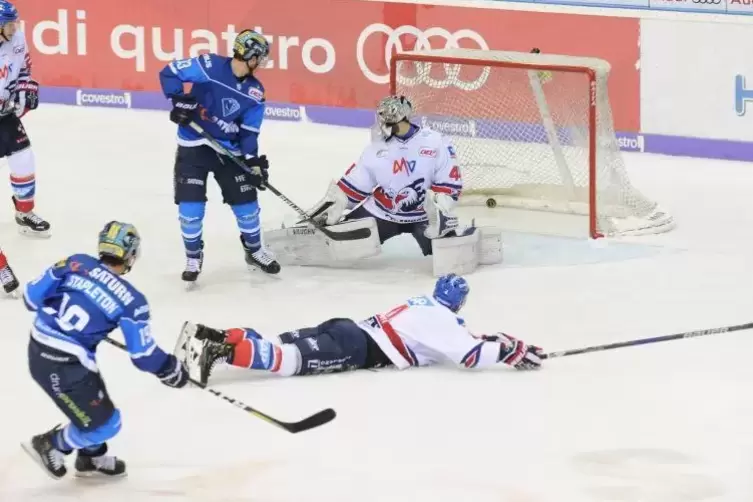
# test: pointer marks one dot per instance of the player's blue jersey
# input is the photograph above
(79, 301)
(232, 110)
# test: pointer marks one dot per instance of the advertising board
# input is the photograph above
(88, 45)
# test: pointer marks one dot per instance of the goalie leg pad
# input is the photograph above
(303, 245)
(456, 255)
(463, 254)
(490, 249)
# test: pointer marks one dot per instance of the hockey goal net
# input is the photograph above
(533, 132)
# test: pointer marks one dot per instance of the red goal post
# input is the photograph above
(534, 134)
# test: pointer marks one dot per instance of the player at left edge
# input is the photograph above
(19, 94)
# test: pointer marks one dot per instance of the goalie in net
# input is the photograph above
(407, 181)
(535, 139)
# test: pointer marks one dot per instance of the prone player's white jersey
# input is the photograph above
(399, 172)
(421, 332)
(15, 65)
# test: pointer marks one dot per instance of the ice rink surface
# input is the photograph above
(662, 423)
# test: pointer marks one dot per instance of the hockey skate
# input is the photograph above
(261, 259)
(97, 464)
(193, 267)
(50, 459)
(8, 280)
(213, 355)
(203, 356)
(30, 223)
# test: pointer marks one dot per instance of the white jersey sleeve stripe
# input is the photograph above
(471, 359)
(354, 194)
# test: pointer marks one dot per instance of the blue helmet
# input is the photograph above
(8, 12)
(451, 291)
(120, 241)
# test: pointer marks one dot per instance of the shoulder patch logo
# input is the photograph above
(229, 106)
(255, 93)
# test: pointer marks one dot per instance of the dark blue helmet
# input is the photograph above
(451, 291)
(8, 12)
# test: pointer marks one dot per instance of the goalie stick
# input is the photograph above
(350, 235)
(645, 341)
(317, 419)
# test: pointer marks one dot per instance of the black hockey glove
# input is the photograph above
(26, 96)
(260, 167)
(173, 373)
(185, 110)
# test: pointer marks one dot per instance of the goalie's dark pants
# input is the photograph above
(389, 229)
(192, 167)
(78, 392)
(335, 345)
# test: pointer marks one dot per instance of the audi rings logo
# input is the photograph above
(423, 42)
(708, 2)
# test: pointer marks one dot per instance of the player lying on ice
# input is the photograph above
(406, 181)
(422, 331)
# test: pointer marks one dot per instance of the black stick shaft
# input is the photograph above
(656, 339)
(315, 420)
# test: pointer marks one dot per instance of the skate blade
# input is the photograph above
(257, 270)
(13, 295)
(191, 285)
(98, 476)
(32, 453)
(46, 234)
(187, 332)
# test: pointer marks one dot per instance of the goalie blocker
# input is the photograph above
(453, 250)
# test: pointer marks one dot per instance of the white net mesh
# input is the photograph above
(521, 124)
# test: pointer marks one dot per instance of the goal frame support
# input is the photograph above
(531, 67)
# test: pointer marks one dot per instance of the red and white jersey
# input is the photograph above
(399, 172)
(422, 332)
(15, 65)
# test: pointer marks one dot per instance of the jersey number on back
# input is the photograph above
(67, 314)
(455, 173)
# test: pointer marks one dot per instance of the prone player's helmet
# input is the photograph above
(451, 291)
(391, 111)
(8, 18)
(249, 43)
(120, 241)
(8, 12)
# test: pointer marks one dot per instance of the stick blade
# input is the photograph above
(316, 420)
(349, 235)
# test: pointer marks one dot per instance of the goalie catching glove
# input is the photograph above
(330, 210)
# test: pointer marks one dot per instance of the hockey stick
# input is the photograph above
(349, 235)
(645, 341)
(315, 420)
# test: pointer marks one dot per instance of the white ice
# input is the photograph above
(662, 423)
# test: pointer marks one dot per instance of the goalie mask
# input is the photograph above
(391, 111)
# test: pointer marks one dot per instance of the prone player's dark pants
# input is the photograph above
(335, 345)
(389, 229)
(192, 167)
(78, 392)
